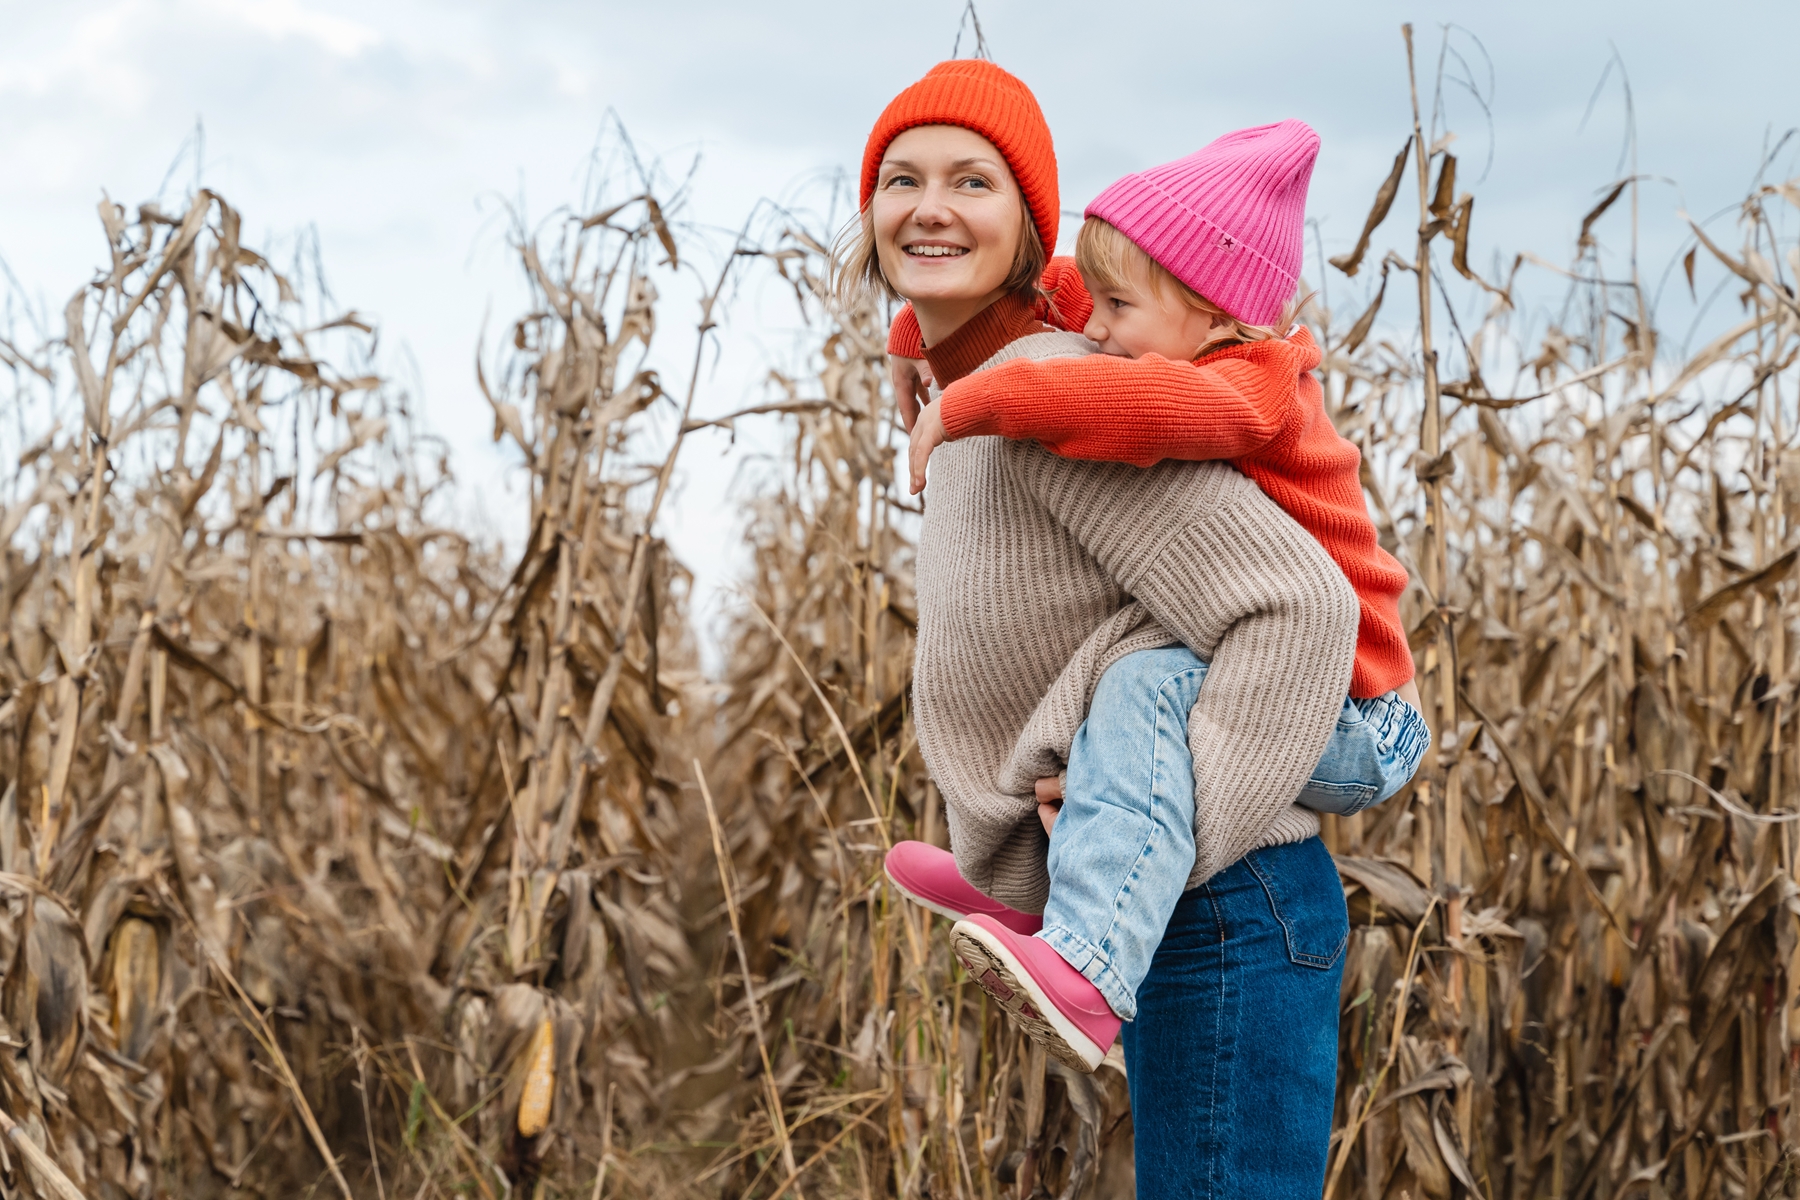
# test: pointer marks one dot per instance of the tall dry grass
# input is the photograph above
(345, 854)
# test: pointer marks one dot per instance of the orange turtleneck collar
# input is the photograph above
(979, 338)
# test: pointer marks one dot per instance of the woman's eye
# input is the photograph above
(901, 181)
(976, 182)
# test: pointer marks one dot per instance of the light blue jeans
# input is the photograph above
(1372, 754)
(1123, 846)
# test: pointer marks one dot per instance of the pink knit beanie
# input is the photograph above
(1228, 219)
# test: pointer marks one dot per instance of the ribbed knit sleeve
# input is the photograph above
(904, 338)
(1138, 411)
(1017, 876)
(1067, 305)
(1278, 675)
(1222, 568)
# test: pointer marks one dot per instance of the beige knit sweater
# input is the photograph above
(1036, 573)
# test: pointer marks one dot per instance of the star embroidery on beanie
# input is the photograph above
(1227, 242)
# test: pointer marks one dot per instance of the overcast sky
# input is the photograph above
(399, 129)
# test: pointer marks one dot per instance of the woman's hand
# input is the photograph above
(912, 387)
(1050, 797)
(927, 435)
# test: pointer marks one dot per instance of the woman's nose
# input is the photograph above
(934, 206)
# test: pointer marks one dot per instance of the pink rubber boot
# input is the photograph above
(1052, 1001)
(928, 877)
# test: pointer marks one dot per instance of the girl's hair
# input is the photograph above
(1110, 259)
(856, 267)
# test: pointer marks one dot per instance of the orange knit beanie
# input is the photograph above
(977, 95)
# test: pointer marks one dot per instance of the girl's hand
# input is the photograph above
(1050, 797)
(927, 435)
(912, 387)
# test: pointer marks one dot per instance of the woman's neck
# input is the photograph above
(979, 337)
(938, 319)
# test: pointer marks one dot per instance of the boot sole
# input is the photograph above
(1002, 976)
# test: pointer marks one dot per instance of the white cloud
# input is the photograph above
(92, 60)
(571, 82)
(289, 18)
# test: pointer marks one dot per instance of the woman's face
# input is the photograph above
(948, 217)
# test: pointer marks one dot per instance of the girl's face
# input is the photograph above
(948, 218)
(1141, 319)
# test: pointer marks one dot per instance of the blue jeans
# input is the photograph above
(1232, 1060)
(1372, 754)
(1123, 846)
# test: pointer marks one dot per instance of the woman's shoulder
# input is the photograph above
(1053, 343)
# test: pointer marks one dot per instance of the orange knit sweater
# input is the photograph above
(1257, 405)
(1065, 304)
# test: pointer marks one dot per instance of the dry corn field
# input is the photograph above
(345, 854)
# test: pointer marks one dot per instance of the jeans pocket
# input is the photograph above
(1344, 799)
(1301, 881)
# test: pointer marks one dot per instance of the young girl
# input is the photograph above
(1249, 398)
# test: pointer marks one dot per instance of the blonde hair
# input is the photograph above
(856, 264)
(1109, 259)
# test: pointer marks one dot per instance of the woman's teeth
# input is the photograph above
(936, 251)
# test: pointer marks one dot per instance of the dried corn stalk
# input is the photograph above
(307, 800)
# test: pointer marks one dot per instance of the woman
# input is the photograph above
(1035, 576)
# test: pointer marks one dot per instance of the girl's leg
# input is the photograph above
(1232, 1060)
(1123, 846)
(1373, 752)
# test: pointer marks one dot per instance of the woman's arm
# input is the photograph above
(1222, 568)
(1279, 672)
(1278, 676)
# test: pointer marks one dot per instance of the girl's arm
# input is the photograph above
(1230, 404)
(1068, 306)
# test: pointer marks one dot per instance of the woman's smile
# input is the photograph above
(934, 250)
